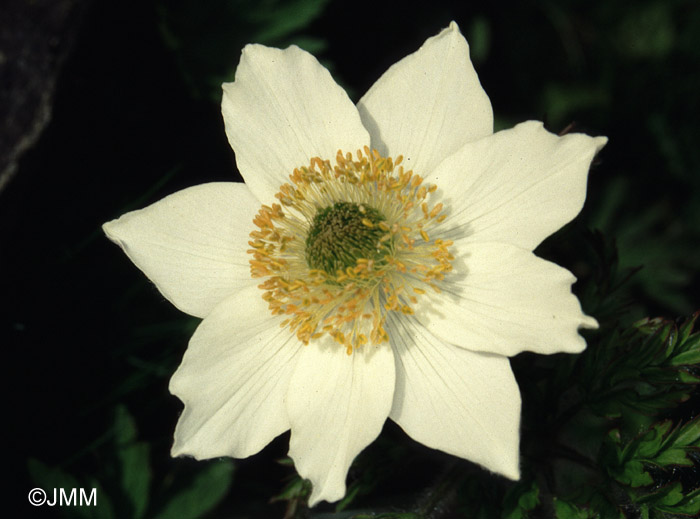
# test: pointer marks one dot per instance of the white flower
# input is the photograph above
(369, 292)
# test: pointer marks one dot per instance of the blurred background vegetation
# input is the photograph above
(109, 106)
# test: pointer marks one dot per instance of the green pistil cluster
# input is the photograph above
(343, 233)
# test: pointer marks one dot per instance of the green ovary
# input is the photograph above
(343, 233)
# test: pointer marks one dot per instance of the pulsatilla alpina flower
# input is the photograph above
(376, 263)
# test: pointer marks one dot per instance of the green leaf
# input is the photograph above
(104, 508)
(648, 325)
(208, 487)
(564, 510)
(652, 441)
(635, 377)
(689, 505)
(520, 499)
(673, 457)
(687, 328)
(692, 343)
(675, 443)
(134, 462)
(298, 488)
(688, 378)
(350, 495)
(688, 348)
(687, 358)
(673, 496)
(634, 475)
(689, 434)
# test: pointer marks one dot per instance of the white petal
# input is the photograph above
(337, 406)
(518, 185)
(192, 244)
(233, 380)
(429, 104)
(460, 402)
(283, 109)
(505, 300)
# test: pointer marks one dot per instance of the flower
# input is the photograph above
(376, 263)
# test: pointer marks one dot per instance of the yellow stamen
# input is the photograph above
(377, 271)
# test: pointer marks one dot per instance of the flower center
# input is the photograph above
(341, 234)
(347, 244)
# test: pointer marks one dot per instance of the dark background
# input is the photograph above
(109, 106)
